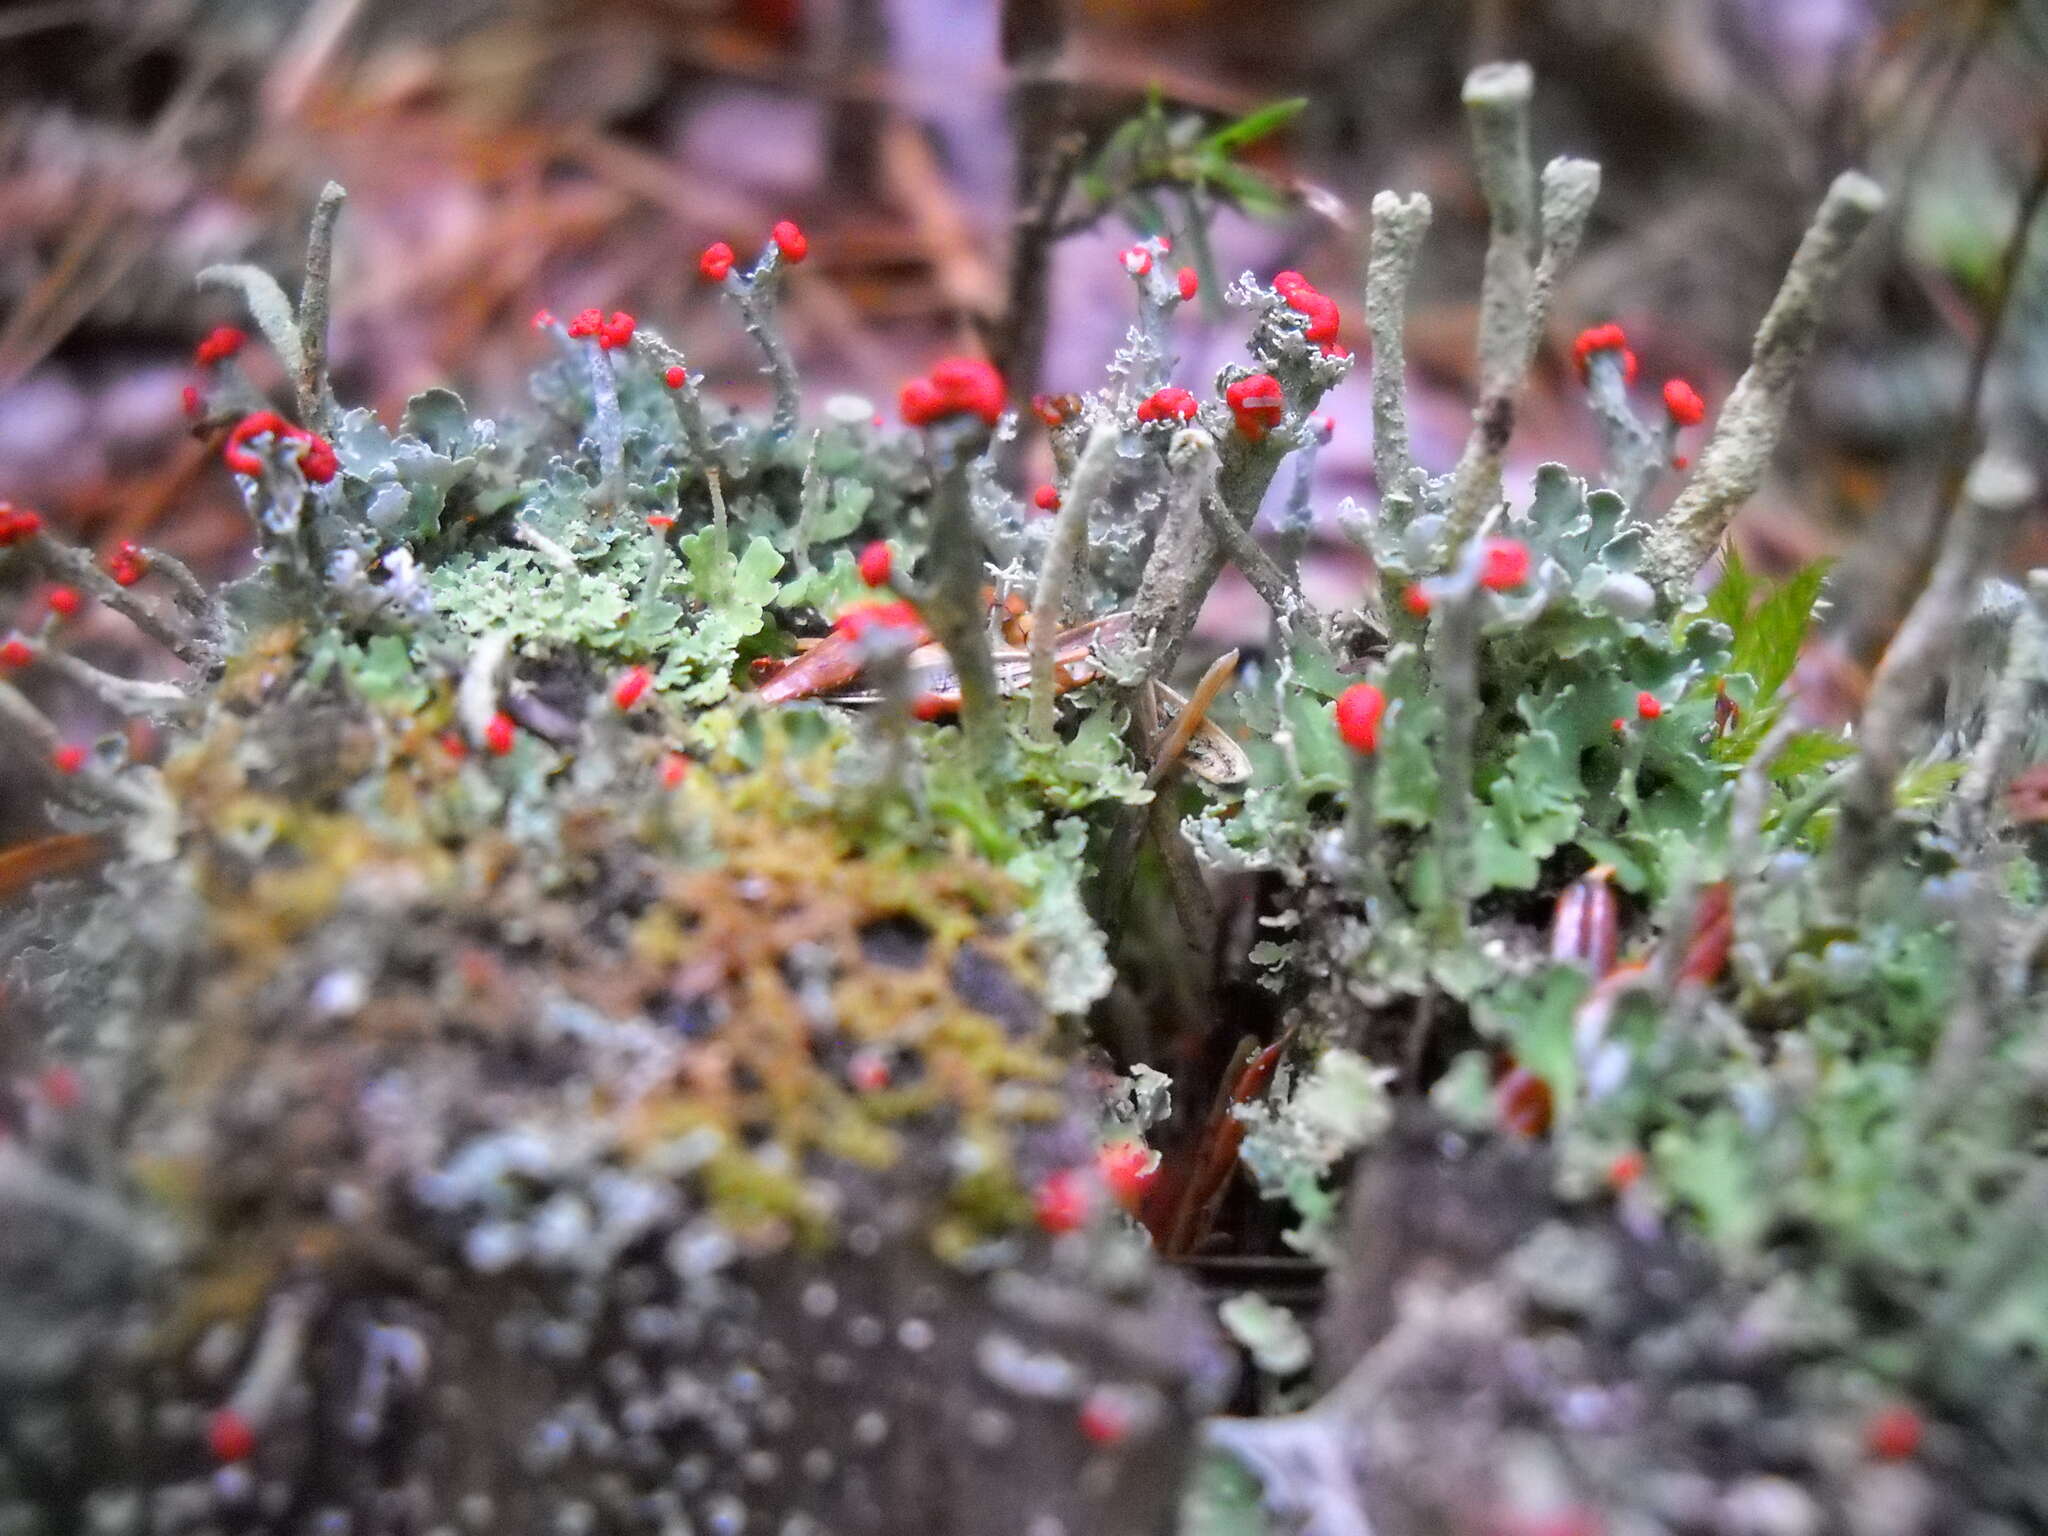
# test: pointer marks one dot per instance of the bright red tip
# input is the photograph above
(1504, 564)
(317, 459)
(17, 524)
(1684, 403)
(635, 682)
(60, 1087)
(229, 1436)
(1894, 1433)
(868, 1071)
(794, 244)
(715, 262)
(1256, 404)
(1061, 1203)
(1127, 1168)
(221, 343)
(955, 386)
(875, 563)
(1105, 1418)
(127, 564)
(1169, 404)
(1359, 710)
(1604, 338)
(1625, 1169)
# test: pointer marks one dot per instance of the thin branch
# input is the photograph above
(810, 502)
(2010, 263)
(1184, 562)
(91, 788)
(953, 606)
(545, 547)
(76, 567)
(1020, 341)
(1455, 642)
(1089, 485)
(1731, 466)
(1260, 569)
(1186, 554)
(688, 398)
(607, 425)
(186, 589)
(756, 293)
(1632, 451)
(123, 695)
(316, 400)
(1193, 905)
(1752, 800)
(1998, 489)
(2007, 715)
(1398, 227)
(1569, 189)
(1497, 105)
(1966, 1032)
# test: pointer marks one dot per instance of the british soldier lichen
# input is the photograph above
(585, 1009)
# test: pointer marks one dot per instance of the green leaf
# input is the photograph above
(1926, 784)
(1808, 752)
(1255, 125)
(1767, 642)
(1730, 600)
(1121, 146)
(1253, 193)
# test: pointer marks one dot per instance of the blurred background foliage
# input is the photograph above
(967, 170)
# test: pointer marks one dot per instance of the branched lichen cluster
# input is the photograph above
(589, 1016)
